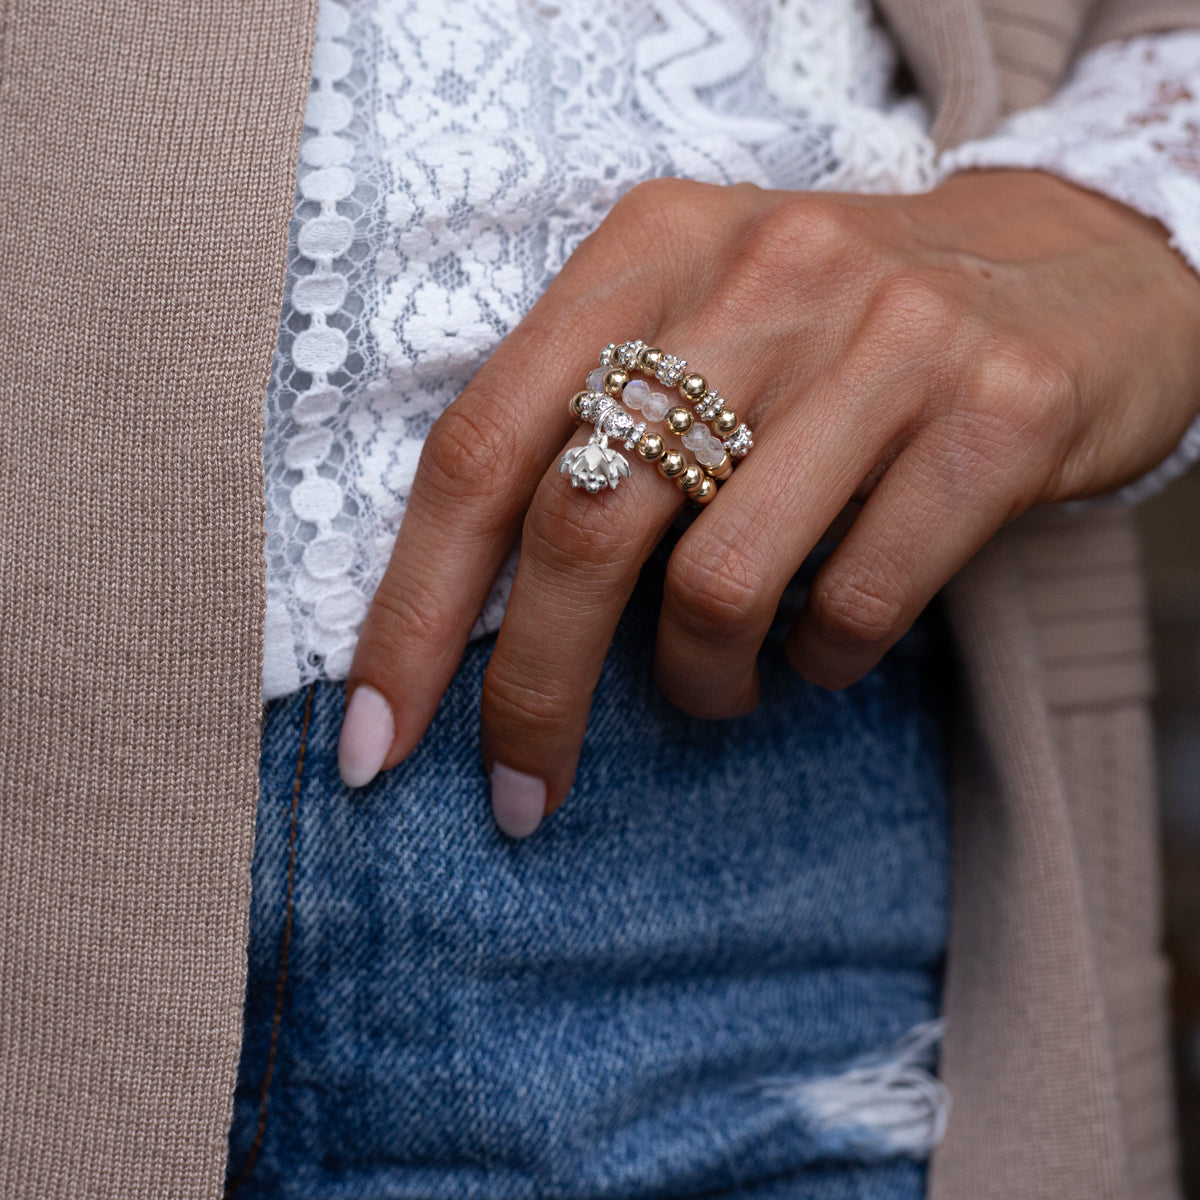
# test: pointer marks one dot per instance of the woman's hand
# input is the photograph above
(949, 358)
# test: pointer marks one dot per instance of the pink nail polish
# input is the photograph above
(367, 732)
(518, 801)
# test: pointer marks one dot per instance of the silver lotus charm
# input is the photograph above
(595, 465)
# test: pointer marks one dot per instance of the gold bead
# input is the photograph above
(615, 381)
(726, 422)
(678, 419)
(672, 463)
(651, 446)
(574, 405)
(723, 469)
(692, 387)
(649, 359)
(705, 492)
(691, 478)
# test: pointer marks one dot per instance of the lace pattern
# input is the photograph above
(461, 152)
(316, 598)
(455, 155)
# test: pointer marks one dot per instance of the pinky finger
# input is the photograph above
(931, 512)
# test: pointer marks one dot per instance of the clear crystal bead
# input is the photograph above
(635, 393)
(655, 406)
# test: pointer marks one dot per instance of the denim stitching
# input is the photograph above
(277, 1015)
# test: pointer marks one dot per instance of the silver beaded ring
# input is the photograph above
(732, 435)
(597, 465)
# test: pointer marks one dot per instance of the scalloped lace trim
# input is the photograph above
(453, 158)
(455, 155)
(316, 599)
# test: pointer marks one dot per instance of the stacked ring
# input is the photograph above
(734, 436)
(596, 465)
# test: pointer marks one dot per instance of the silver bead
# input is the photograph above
(626, 354)
(708, 406)
(670, 370)
(739, 441)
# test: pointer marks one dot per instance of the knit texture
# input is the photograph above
(1055, 906)
(146, 179)
(146, 173)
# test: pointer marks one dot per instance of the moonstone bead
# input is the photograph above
(710, 453)
(696, 438)
(655, 406)
(595, 380)
(636, 393)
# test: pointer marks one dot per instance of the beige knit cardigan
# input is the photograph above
(147, 161)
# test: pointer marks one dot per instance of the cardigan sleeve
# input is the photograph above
(1127, 124)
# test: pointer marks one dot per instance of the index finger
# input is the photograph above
(478, 471)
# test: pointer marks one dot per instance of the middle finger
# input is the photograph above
(580, 559)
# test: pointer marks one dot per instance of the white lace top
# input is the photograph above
(455, 153)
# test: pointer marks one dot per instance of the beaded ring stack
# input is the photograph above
(716, 439)
(732, 435)
(597, 465)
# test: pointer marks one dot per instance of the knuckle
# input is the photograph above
(858, 607)
(654, 210)
(526, 341)
(1024, 399)
(652, 197)
(398, 619)
(520, 708)
(653, 231)
(914, 310)
(783, 243)
(462, 450)
(715, 590)
(567, 535)
(1033, 380)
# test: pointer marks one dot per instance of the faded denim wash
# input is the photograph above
(592, 1012)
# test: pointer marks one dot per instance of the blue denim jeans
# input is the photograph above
(437, 1011)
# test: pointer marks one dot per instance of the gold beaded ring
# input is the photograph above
(732, 435)
(596, 465)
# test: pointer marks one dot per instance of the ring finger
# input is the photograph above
(580, 559)
(822, 437)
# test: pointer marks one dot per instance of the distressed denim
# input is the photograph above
(437, 1011)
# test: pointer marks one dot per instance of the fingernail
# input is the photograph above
(367, 733)
(518, 801)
